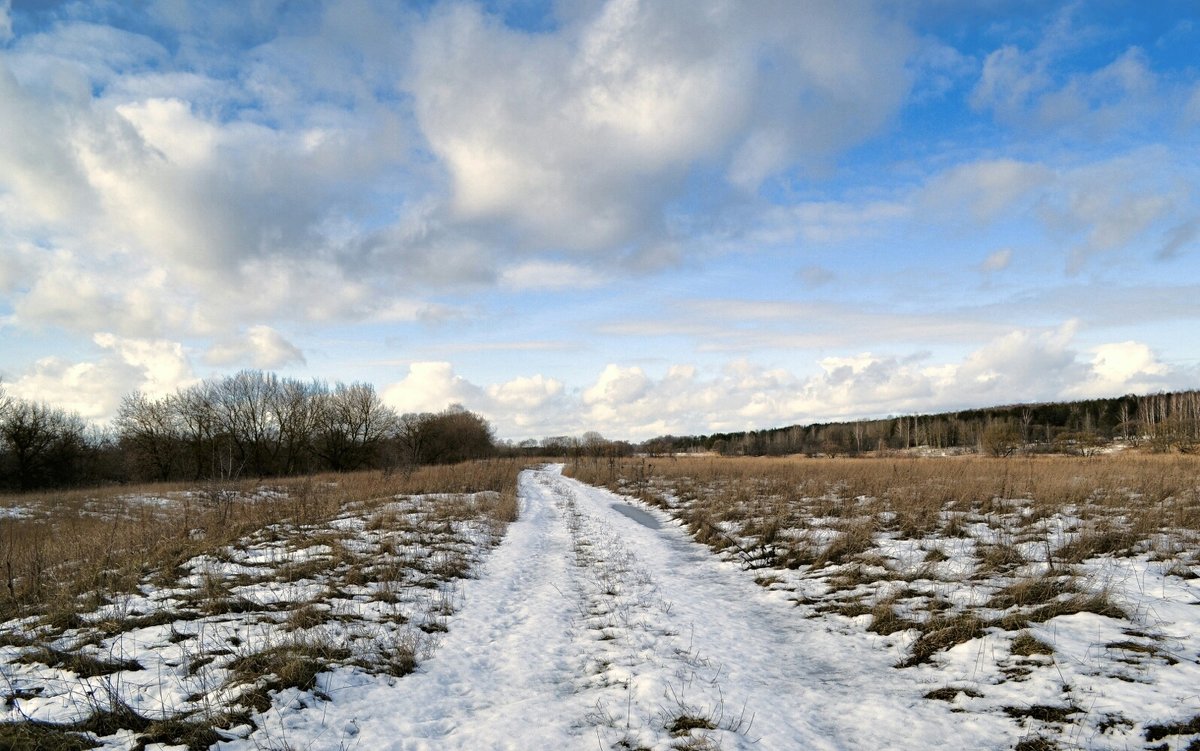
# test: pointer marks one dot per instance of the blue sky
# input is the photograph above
(632, 217)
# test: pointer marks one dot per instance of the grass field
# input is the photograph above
(1061, 591)
(1054, 600)
(173, 614)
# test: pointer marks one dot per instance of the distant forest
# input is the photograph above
(251, 424)
(1161, 422)
(257, 424)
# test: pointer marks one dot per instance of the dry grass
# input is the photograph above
(59, 548)
(918, 490)
(1026, 644)
(885, 620)
(1017, 528)
(943, 632)
(1032, 591)
(69, 559)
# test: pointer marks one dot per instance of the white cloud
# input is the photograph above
(1009, 80)
(1119, 362)
(260, 346)
(163, 365)
(169, 127)
(366, 162)
(18, 264)
(1040, 88)
(89, 388)
(1122, 368)
(826, 222)
(997, 260)
(627, 402)
(986, 189)
(37, 167)
(430, 387)
(1106, 99)
(563, 136)
(526, 393)
(547, 275)
(580, 137)
(94, 388)
(1191, 109)
(617, 386)
(172, 204)
(416, 310)
(1111, 207)
(1022, 365)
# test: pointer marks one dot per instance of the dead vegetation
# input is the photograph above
(928, 554)
(59, 548)
(248, 590)
(1018, 528)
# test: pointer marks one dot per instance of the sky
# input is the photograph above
(638, 218)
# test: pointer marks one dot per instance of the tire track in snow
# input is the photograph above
(588, 630)
(506, 662)
(806, 685)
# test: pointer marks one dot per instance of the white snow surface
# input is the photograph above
(586, 629)
(599, 623)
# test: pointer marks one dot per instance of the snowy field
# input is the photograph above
(598, 621)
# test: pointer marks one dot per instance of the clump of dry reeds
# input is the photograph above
(63, 552)
(828, 517)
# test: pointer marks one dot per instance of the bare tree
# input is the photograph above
(45, 444)
(351, 424)
(293, 408)
(452, 435)
(196, 408)
(243, 406)
(151, 430)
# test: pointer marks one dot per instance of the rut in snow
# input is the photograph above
(591, 628)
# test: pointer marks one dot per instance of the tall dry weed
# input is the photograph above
(60, 549)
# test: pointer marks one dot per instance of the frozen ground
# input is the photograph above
(588, 629)
(599, 624)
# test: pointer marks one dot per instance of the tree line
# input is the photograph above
(250, 424)
(1162, 422)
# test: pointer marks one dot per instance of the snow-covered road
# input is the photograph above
(590, 628)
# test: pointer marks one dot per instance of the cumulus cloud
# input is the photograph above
(1124, 367)
(231, 196)
(626, 401)
(228, 201)
(370, 162)
(526, 393)
(1042, 87)
(89, 388)
(94, 388)
(528, 406)
(162, 365)
(430, 387)
(260, 346)
(580, 137)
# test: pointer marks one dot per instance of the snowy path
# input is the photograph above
(588, 629)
